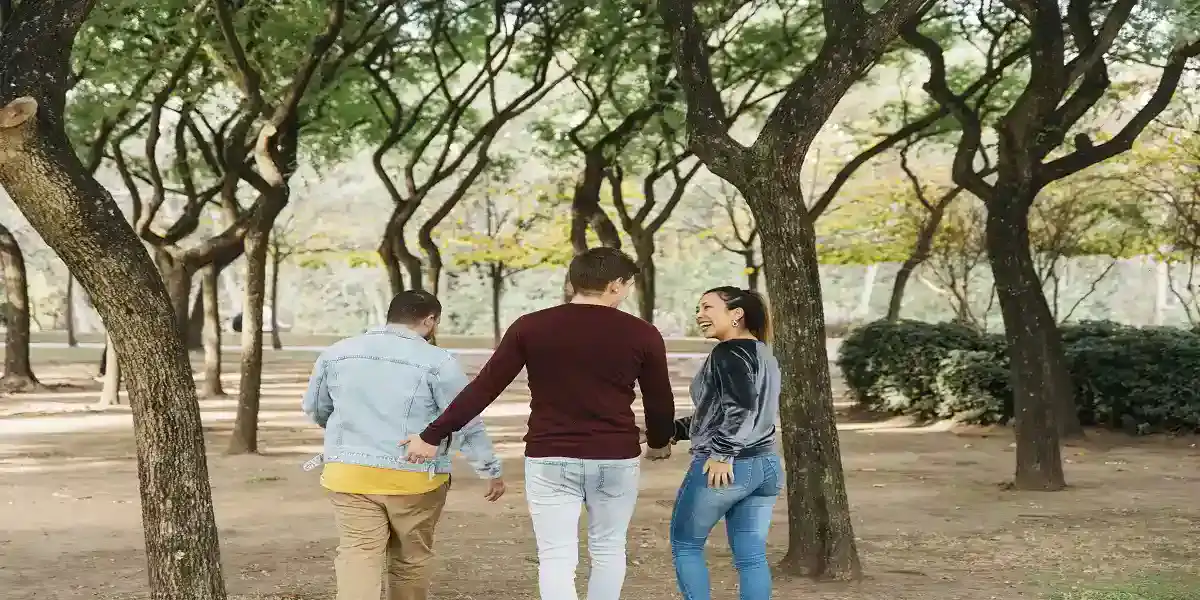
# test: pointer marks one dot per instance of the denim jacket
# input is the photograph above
(736, 393)
(372, 391)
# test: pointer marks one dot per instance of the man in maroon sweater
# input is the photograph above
(582, 447)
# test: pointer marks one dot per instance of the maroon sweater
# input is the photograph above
(582, 361)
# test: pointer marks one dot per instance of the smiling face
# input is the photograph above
(715, 318)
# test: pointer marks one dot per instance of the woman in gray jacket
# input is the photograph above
(735, 471)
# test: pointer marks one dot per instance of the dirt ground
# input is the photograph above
(932, 520)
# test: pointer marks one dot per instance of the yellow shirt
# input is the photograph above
(359, 479)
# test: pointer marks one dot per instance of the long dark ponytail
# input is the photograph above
(757, 315)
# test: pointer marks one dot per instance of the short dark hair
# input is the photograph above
(410, 306)
(592, 271)
(757, 314)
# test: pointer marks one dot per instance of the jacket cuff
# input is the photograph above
(724, 458)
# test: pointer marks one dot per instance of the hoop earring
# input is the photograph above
(735, 323)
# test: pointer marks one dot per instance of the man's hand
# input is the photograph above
(495, 489)
(418, 451)
(720, 474)
(658, 453)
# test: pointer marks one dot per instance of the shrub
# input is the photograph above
(1142, 379)
(1138, 379)
(892, 366)
(973, 387)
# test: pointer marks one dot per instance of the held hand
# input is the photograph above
(495, 489)
(658, 453)
(720, 474)
(418, 451)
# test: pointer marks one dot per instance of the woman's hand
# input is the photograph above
(720, 474)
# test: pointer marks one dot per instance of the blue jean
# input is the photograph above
(746, 504)
(557, 489)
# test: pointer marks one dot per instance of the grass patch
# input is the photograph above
(1153, 588)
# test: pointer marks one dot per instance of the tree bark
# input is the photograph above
(820, 528)
(921, 249)
(178, 280)
(110, 390)
(72, 341)
(210, 293)
(195, 323)
(245, 425)
(1034, 346)
(496, 276)
(646, 287)
(273, 300)
(18, 368)
(750, 260)
(586, 212)
(85, 227)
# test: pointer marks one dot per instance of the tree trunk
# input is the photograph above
(646, 287)
(178, 279)
(195, 326)
(586, 211)
(110, 391)
(391, 264)
(245, 425)
(496, 275)
(921, 249)
(821, 533)
(18, 369)
(1034, 346)
(85, 227)
(752, 269)
(210, 293)
(72, 341)
(273, 299)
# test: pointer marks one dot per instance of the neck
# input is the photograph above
(594, 300)
(741, 335)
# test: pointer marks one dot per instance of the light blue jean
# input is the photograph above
(746, 505)
(557, 489)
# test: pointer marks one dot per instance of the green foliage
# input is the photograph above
(893, 367)
(1137, 379)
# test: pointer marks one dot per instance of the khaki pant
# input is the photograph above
(396, 531)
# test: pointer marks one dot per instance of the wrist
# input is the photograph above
(721, 458)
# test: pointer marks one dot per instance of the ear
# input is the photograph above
(738, 314)
(17, 112)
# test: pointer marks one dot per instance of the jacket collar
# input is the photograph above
(394, 329)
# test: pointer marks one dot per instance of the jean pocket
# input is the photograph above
(617, 481)
(773, 477)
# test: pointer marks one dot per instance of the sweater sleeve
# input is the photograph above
(658, 400)
(501, 369)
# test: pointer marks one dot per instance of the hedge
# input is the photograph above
(1137, 379)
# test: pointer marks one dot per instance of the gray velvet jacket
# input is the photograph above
(736, 395)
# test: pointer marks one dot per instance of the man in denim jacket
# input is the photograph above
(370, 393)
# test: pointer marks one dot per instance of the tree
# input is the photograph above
(1068, 75)
(276, 154)
(18, 368)
(730, 225)
(504, 235)
(641, 228)
(931, 210)
(468, 47)
(81, 222)
(767, 174)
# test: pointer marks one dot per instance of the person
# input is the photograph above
(368, 392)
(582, 447)
(735, 470)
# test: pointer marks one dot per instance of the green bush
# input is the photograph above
(973, 387)
(1144, 379)
(893, 366)
(1137, 379)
